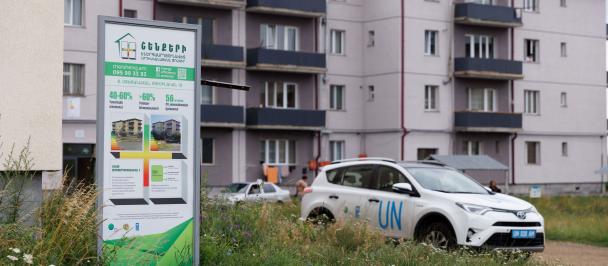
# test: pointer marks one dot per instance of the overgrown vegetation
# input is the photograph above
(582, 219)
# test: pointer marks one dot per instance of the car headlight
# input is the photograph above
(474, 209)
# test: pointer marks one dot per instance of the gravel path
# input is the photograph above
(566, 253)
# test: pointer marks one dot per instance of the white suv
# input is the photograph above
(425, 201)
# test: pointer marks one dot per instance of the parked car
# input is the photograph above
(254, 192)
(425, 201)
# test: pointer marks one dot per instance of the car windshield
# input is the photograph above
(235, 187)
(446, 180)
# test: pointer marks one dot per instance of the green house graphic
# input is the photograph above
(127, 46)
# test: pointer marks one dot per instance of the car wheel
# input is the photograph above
(439, 235)
(320, 216)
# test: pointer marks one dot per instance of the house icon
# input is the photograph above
(127, 46)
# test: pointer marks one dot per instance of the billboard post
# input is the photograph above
(148, 141)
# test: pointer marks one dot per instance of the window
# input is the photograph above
(129, 13)
(334, 176)
(425, 153)
(533, 152)
(563, 100)
(370, 93)
(387, 177)
(531, 50)
(337, 41)
(207, 94)
(497, 147)
(207, 155)
(269, 188)
(482, 2)
(278, 152)
(562, 3)
(371, 38)
(255, 189)
(532, 102)
(430, 42)
(431, 95)
(336, 150)
(279, 95)
(472, 147)
(336, 97)
(565, 149)
(482, 100)
(207, 25)
(360, 176)
(279, 37)
(72, 12)
(531, 5)
(73, 82)
(563, 49)
(479, 46)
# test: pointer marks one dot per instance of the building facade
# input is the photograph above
(404, 79)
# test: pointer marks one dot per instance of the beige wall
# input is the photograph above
(31, 49)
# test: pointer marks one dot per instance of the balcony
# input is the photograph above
(300, 8)
(222, 116)
(487, 122)
(488, 68)
(227, 56)
(486, 15)
(224, 4)
(285, 119)
(285, 61)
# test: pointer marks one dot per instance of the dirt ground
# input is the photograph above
(566, 253)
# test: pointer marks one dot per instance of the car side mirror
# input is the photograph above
(487, 188)
(403, 188)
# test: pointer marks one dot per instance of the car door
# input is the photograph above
(254, 193)
(355, 180)
(391, 212)
(269, 192)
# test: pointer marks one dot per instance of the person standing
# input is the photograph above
(300, 186)
(493, 187)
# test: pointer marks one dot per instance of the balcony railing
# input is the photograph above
(222, 55)
(305, 8)
(285, 61)
(487, 122)
(229, 4)
(486, 15)
(297, 119)
(488, 68)
(222, 115)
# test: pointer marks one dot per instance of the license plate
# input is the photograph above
(523, 233)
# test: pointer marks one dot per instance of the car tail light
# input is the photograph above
(307, 190)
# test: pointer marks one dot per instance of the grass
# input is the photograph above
(575, 218)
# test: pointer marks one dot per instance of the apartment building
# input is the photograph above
(129, 127)
(405, 79)
(521, 81)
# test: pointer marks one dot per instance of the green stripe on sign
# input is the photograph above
(148, 71)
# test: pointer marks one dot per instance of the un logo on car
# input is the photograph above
(521, 215)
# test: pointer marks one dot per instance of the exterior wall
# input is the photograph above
(221, 95)
(144, 8)
(222, 30)
(32, 110)
(220, 172)
(495, 145)
(427, 140)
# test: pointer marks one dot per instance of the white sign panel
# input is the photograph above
(147, 139)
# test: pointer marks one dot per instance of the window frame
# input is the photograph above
(431, 106)
(535, 47)
(277, 144)
(431, 48)
(337, 146)
(336, 104)
(563, 99)
(537, 150)
(332, 42)
(565, 149)
(70, 73)
(371, 38)
(212, 91)
(125, 10)
(212, 151)
(563, 49)
(71, 14)
(531, 6)
(283, 87)
(484, 44)
(530, 104)
(371, 93)
(418, 150)
(469, 147)
(286, 41)
(485, 102)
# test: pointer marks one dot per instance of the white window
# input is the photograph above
(73, 79)
(336, 97)
(337, 41)
(479, 46)
(371, 93)
(563, 49)
(564, 149)
(336, 150)
(208, 150)
(279, 95)
(129, 13)
(430, 42)
(371, 38)
(72, 13)
(207, 94)
(278, 152)
(562, 3)
(531, 50)
(531, 5)
(563, 99)
(533, 152)
(431, 98)
(482, 100)
(532, 102)
(472, 147)
(279, 37)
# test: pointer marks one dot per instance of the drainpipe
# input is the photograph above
(512, 85)
(316, 92)
(403, 128)
(120, 8)
(153, 9)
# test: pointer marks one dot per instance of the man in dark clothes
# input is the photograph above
(494, 188)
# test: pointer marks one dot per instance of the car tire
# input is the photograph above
(438, 235)
(321, 217)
